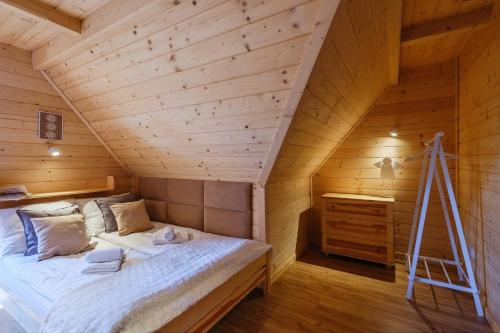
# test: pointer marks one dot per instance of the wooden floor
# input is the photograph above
(320, 294)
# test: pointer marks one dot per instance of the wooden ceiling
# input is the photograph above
(208, 88)
(28, 32)
(188, 89)
(452, 22)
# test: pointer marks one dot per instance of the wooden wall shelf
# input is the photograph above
(110, 186)
(43, 197)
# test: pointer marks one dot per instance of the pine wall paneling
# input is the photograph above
(194, 89)
(24, 158)
(418, 13)
(479, 164)
(175, 99)
(421, 104)
(352, 70)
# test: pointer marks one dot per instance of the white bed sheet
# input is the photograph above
(39, 283)
(143, 241)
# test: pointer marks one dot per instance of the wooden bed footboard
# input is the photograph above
(202, 316)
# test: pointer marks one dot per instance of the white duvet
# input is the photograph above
(54, 277)
(143, 241)
(145, 296)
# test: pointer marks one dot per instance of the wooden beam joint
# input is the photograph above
(454, 24)
(43, 12)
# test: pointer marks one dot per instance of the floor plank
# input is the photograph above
(333, 294)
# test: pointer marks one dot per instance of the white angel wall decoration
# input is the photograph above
(387, 167)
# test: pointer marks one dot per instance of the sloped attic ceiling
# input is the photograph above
(190, 89)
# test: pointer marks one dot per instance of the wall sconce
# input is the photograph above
(394, 133)
(53, 151)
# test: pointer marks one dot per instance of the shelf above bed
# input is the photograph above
(37, 197)
(110, 186)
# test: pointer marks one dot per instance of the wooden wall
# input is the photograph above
(421, 104)
(351, 71)
(197, 89)
(479, 165)
(24, 158)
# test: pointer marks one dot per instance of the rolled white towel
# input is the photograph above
(102, 267)
(167, 233)
(104, 255)
(180, 237)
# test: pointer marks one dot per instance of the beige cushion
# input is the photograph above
(131, 217)
(60, 235)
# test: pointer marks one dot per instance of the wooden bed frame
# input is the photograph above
(201, 317)
(209, 310)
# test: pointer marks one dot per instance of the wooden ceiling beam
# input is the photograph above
(115, 16)
(42, 12)
(454, 24)
(324, 20)
(393, 14)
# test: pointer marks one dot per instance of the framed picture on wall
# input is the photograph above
(50, 125)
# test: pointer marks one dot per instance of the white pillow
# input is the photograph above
(49, 206)
(12, 238)
(94, 220)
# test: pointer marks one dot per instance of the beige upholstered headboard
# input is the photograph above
(223, 208)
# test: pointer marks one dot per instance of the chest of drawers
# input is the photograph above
(358, 226)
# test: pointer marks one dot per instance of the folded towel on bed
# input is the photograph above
(104, 255)
(179, 237)
(167, 233)
(102, 267)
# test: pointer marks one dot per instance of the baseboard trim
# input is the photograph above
(279, 272)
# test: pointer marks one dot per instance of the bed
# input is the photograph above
(221, 266)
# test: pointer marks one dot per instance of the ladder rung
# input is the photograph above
(445, 271)
(427, 269)
(446, 285)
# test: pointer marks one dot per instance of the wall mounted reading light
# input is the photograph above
(393, 133)
(53, 151)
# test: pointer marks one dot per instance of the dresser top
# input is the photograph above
(357, 197)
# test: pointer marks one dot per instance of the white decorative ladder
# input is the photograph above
(432, 153)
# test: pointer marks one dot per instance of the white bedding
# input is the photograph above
(143, 241)
(40, 283)
(155, 291)
(164, 279)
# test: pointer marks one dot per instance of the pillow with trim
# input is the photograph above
(25, 215)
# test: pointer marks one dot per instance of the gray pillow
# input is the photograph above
(94, 221)
(109, 218)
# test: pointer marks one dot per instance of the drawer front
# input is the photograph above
(372, 251)
(367, 209)
(355, 229)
